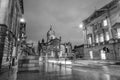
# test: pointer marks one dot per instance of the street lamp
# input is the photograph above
(81, 25)
(22, 20)
(84, 30)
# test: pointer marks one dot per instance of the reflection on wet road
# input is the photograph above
(49, 71)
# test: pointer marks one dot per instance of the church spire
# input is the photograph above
(50, 34)
(50, 27)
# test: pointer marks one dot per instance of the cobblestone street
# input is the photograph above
(55, 72)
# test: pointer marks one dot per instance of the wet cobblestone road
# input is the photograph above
(55, 72)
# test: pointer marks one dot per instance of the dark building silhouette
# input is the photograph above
(11, 12)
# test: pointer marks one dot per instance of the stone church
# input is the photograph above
(55, 48)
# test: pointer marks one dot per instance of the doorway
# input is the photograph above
(103, 55)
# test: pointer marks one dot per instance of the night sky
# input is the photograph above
(64, 15)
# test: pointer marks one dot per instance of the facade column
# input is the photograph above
(85, 36)
(109, 24)
(110, 28)
(93, 35)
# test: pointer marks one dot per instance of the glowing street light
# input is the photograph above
(22, 20)
(81, 25)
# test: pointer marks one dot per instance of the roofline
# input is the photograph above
(97, 13)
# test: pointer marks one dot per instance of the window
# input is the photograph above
(103, 55)
(105, 22)
(89, 38)
(97, 39)
(107, 36)
(118, 32)
(91, 54)
(101, 38)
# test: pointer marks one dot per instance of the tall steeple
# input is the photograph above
(51, 27)
(50, 34)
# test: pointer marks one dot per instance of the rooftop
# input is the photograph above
(100, 11)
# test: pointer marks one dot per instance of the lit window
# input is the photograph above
(118, 32)
(103, 55)
(101, 38)
(97, 39)
(90, 40)
(107, 36)
(105, 23)
(91, 54)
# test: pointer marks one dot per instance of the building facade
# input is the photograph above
(53, 43)
(11, 12)
(53, 47)
(102, 33)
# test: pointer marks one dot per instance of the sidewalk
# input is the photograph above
(9, 74)
(84, 62)
(95, 62)
(61, 61)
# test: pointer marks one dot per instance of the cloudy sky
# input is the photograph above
(64, 15)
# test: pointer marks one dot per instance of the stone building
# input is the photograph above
(53, 43)
(102, 33)
(11, 12)
(50, 34)
(54, 48)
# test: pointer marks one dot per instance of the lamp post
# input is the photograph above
(82, 26)
(21, 36)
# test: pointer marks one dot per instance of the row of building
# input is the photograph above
(102, 33)
(12, 30)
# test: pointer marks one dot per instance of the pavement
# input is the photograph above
(95, 62)
(79, 62)
(9, 74)
(12, 74)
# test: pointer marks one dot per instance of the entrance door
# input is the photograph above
(103, 55)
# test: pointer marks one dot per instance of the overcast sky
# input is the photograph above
(64, 15)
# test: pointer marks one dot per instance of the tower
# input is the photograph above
(50, 34)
